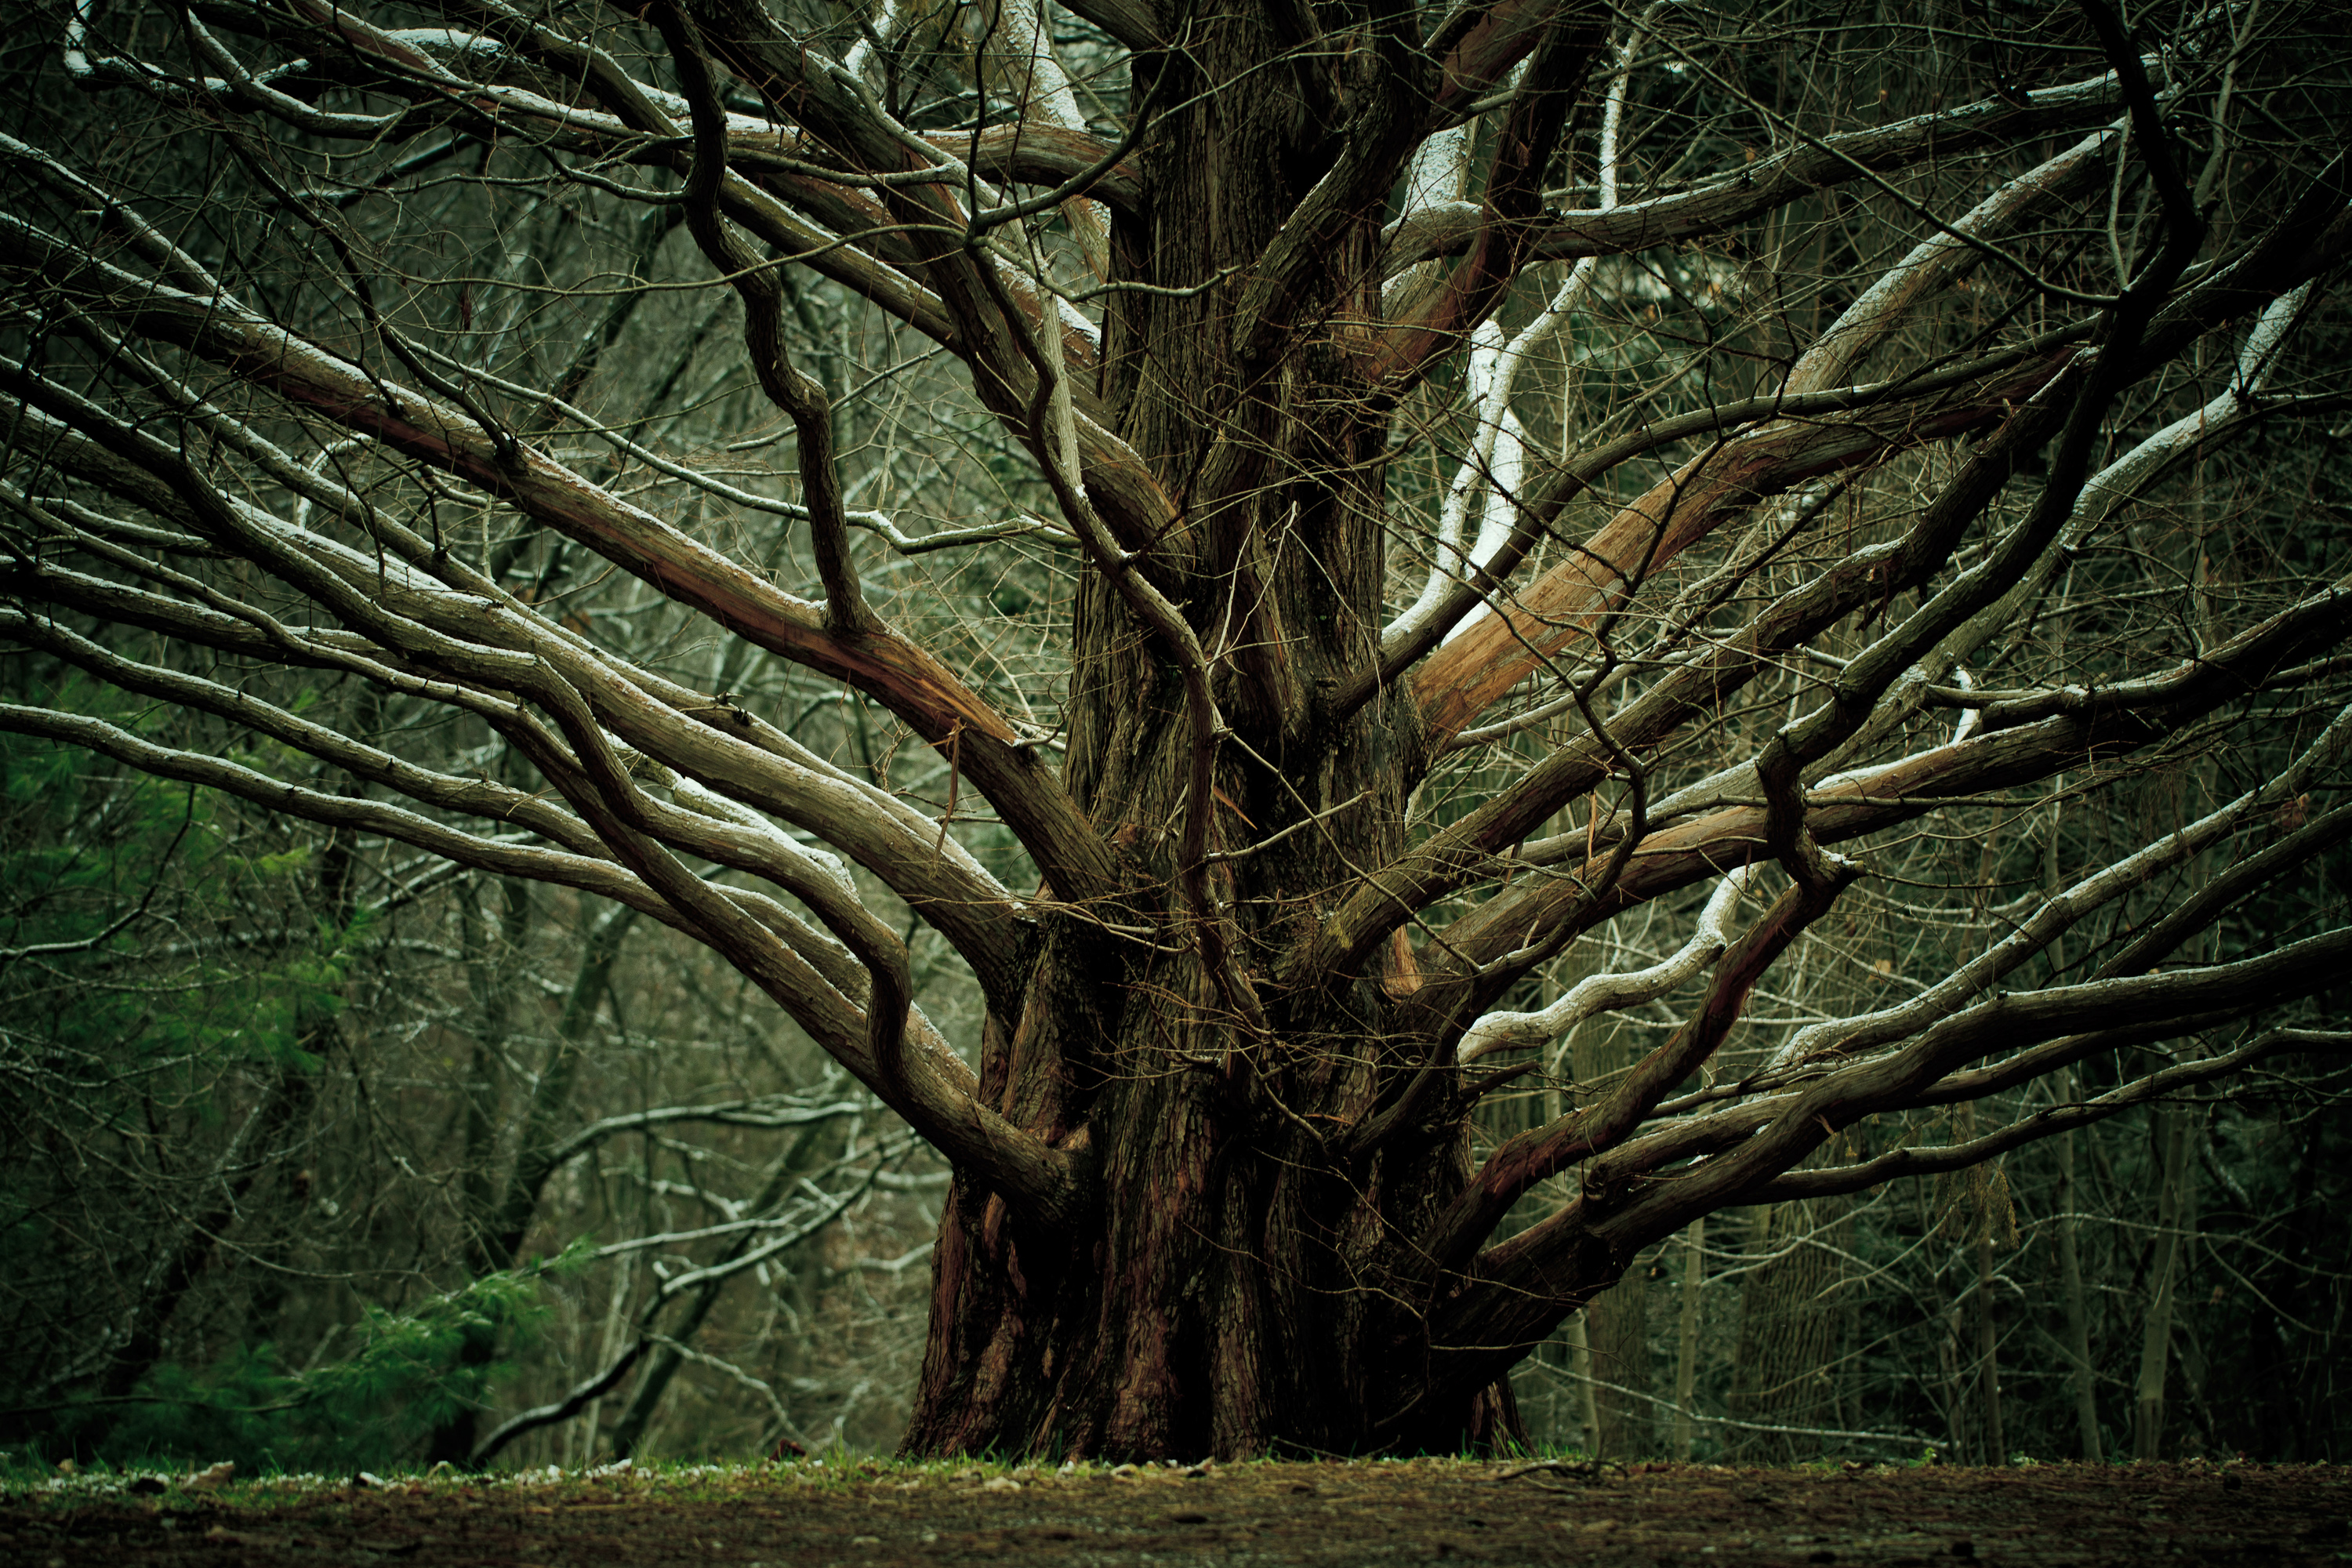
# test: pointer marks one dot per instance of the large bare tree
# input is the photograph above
(1354, 500)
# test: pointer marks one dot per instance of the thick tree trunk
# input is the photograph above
(1228, 1300)
(1239, 1285)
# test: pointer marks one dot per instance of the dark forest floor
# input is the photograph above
(877, 1515)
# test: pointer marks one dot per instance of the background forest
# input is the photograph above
(319, 1151)
(307, 1123)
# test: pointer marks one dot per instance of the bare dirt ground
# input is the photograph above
(879, 1515)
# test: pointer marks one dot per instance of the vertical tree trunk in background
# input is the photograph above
(2081, 1379)
(551, 1097)
(655, 1380)
(1956, 1390)
(497, 1229)
(1619, 1332)
(2172, 1140)
(2170, 1123)
(1686, 1356)
(1981, 1210)
(1577, 1332)
(1989, 1354)
(1617, 1321)
(492, 949)
(580, 1436)
(266, 1141)
(1780, 1374)
(2080, 1376)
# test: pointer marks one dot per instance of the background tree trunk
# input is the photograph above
(1585, 1399)
(1995, 1439)
(1780, 1373)
(499, 1214)
(1621, 1355)
(1693, 1246)
(2170, 1137)
(2080, 1375)
(654, 1381)
(1617, 1320)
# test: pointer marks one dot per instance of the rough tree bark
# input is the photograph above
(1223, 1183)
